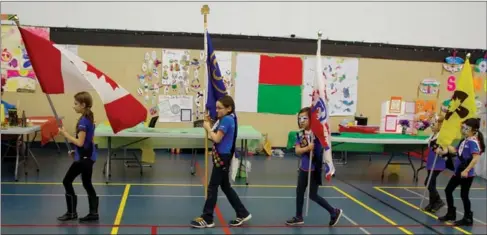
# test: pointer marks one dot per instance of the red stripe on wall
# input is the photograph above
(281, 70)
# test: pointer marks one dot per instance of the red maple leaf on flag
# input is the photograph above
(99, 74)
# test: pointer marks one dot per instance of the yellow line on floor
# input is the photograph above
(385, 218)
(415, 207)
(157, 184)
(121, 208)
(415, 187)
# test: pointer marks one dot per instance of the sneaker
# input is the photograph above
(428, 207)
(202, 223)
(335, 217)
(295, 221)
(437, 206)
(239, 221)
(68, 216)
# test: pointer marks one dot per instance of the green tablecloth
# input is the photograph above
(160, 143)
(358, 147)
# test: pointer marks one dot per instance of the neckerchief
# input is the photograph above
(462, 145)
(216, 156)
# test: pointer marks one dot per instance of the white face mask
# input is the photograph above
(465, 130)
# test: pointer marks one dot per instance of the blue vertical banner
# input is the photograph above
(215, 88)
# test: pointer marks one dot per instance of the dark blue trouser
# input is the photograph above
(313, 193)
(220, 178)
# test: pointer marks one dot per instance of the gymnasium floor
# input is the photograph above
(167, 197)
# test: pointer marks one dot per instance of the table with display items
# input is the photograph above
(191, 138)
(391, 143)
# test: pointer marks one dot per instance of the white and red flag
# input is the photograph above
(320, 115)
(59, 71)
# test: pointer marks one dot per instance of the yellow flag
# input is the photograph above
(462, 106)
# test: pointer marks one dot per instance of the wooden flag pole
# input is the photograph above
(205, 11)
(15, 18)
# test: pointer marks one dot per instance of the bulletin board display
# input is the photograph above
(378, 80)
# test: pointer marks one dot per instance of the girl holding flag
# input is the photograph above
(224, 136)
(435, 202)
(305, 144)
(84, 158)
(467, 155)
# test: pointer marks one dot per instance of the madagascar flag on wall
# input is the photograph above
(268, 84)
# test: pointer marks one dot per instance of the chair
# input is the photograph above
(136, 162)
(153, 122)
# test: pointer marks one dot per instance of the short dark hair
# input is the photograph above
(474, 123)
(305, 110)
(227, 102)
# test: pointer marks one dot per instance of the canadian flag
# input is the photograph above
(59, 71)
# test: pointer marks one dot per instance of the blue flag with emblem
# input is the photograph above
(215, 88)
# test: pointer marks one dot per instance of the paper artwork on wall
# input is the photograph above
(391, 123)
(170, 107)
(410, 108)
(154, 111)
(175, 65)
(444, 105)
(453, 63)
(429, 86)
(395, 104)
(224, 59)
(481, 64)
(268, 84)
(15, 63)
(341, 81)
(149, 81)
(424, 108)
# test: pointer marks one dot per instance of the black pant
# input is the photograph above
(220, 177)
(432, 186)
(313, 193)
(465, 184)
(85, 168)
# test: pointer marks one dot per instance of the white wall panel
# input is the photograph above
(444, 24)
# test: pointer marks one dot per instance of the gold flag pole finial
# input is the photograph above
(205, 11)
(468, 55)
(15, 18)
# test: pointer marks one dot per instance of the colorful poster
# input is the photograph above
(15, 64)
(175, 67)
(224, 59)
(341, 81)
(424, 108)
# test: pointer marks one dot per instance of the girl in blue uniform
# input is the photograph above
(435, 202)
(224, 137)
(467, 155)
(303, 148)
(84, 158)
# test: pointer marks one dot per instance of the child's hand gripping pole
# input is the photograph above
(310, 138)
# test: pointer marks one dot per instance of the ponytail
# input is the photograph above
(89, 115)
(480, 138)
